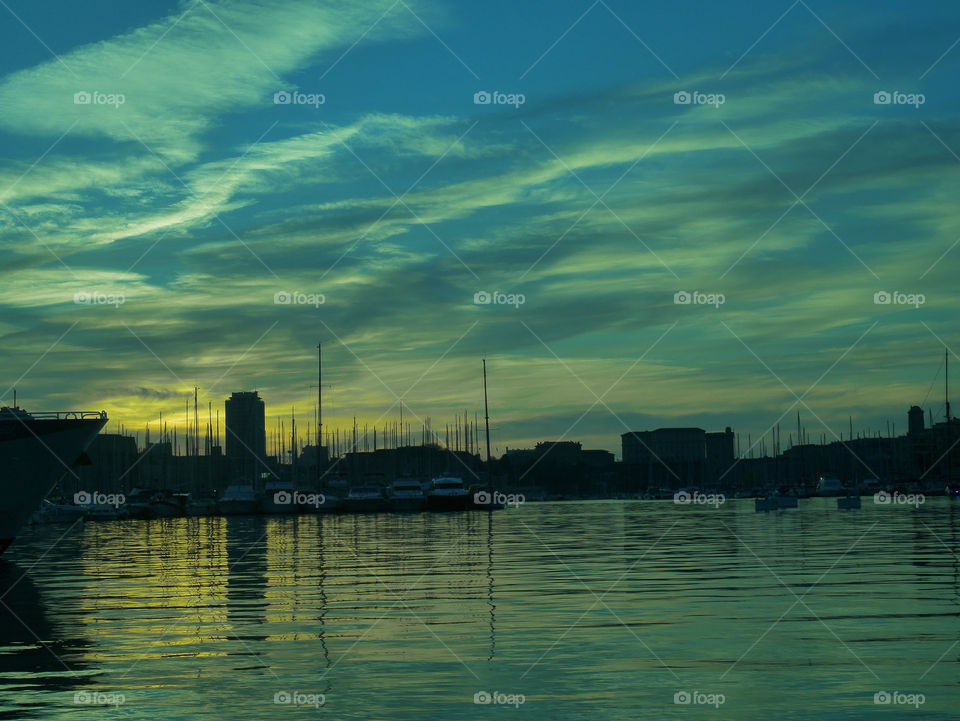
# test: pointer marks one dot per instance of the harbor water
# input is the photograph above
(582, 610)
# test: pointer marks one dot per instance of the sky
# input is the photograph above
(681, 214)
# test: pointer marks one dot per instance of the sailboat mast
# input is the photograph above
(946, 398)
(319, 407)
(486, 419)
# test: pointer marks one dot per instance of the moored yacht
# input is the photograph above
(278, 498)
(366, 498)
(406, 496)
(447, 494)
(237, 500)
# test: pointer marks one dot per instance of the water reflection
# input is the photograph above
(599, 610)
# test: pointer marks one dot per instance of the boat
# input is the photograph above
(848, 502)
(366, 498)
(51, 512)
(36, 451)
(829, 486)
(238, 500)
(149, 503)
(870, 486)
(104, 512)
(406, 496)
(198, 507)
(164, 504)
(785, 500)
(766, 504)
(447, 494)
(278, 498)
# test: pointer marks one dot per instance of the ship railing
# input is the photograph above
(53, 415)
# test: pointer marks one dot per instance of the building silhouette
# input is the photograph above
(246, 437)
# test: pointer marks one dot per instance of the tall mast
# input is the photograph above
(319, 407)
(946, 398)
(486, 418)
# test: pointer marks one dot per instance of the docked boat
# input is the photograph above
(198, 507)
(278, 498)
(366, 498)
(104, 512)
(406, 496)
(829, 486)
(785, 500)
(51, 512)
(769, 503)
(36, 451)
(447, 494)
(238, 500)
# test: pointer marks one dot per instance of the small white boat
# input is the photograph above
(447, 494)
(406, 496)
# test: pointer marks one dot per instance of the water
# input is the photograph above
(592, 610)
